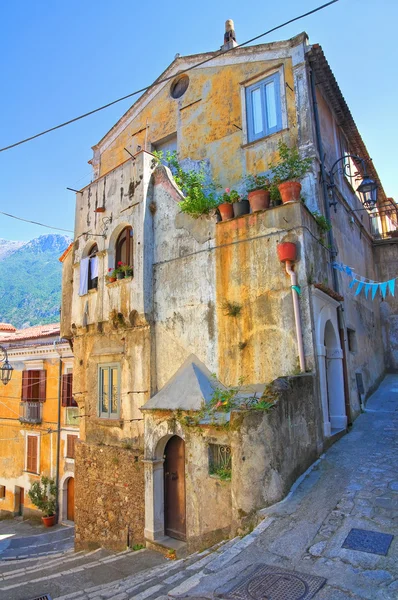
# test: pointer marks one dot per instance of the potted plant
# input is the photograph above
(288, 171)
(241, 207)
(42, 495)
(111, 277)
(120, 270)
(225, 204)
(128, 270)
(258, 191)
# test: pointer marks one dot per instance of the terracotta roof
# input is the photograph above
(7, 327)
(30, 333)
(65, 254)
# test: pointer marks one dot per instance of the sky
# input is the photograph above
(61, 59)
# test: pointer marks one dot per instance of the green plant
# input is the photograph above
(232, 309)
(323, 223)
(257, 182)
(198, 200)
(137, 547)
(229, 197)
(290, 166)
(42, 495)
(224, 472)
(275, 195)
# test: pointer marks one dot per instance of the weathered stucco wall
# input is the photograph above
(386, 260)
(109, 492)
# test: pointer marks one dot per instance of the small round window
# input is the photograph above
(179, 86)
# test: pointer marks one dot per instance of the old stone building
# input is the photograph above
(153, 464)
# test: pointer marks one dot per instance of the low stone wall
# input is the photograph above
(109, 497)
(271, 449)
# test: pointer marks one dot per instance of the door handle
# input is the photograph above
(174, 475)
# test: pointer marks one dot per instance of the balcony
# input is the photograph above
(384, 223)
(30, 412)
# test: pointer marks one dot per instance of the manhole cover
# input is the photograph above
(368, 541)
(274, 583)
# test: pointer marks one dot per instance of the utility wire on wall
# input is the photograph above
(165, 79)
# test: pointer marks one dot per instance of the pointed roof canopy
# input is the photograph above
(192, 385)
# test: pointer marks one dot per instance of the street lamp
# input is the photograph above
(367, 188)
(6, 370)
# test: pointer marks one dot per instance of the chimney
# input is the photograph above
(229, 36)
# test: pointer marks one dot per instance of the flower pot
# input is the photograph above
(226, 211)
(287, 251)
(111, 279)
(241, 208)
(129, 273)
(259, 199)
(119, 275)
(290, 191)
(48, 521)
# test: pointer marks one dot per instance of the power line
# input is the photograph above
(165, 79)
(27, 220)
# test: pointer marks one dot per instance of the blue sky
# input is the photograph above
(60, 59)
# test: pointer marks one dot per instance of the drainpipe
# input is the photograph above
(58, 439)
(296, 308)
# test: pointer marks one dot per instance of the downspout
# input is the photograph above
(296, 308)
(58, 440)
(326, 207)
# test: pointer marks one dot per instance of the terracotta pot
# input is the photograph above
(259, 199)
(290, 191)
(241, 208)
(287, 251)
(48, 521)
(111, 279)
(226, 211)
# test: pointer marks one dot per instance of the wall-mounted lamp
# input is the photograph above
(367, 188)
(6, 370)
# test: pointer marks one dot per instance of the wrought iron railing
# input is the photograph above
(384, 223)
(30, 412)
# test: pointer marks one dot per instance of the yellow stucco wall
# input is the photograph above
(208, 129)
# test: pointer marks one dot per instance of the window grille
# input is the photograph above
(220, 460)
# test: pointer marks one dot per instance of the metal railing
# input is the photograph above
(384, 223)
(30, 412)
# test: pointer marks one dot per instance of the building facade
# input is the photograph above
(145, 346)
(38, 419)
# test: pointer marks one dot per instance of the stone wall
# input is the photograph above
(386, 260)
(109, 497)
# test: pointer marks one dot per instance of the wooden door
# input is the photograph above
(174, 488)
(70, 501)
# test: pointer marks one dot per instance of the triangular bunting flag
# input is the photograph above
(353, 282)
(359, 288)
(367, 288)
(374, 289)
(383, 289)
(391, 286)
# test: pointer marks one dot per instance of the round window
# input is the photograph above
(179, 86)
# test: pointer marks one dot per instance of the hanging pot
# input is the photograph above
(241, 208)
(226, 211)
(287, 251)
(48, 521)
(259, 199)
(290, 191)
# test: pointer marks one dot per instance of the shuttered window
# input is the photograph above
(31, 453)
(67, 398)
(124, 247)
(70, 445)
(33, 386)
(109, 390)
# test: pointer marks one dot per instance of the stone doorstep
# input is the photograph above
(167, 545)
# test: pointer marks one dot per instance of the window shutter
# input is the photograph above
(31, 462)
(25, 386)
(42, 386)
(70, 445)
(64, 394)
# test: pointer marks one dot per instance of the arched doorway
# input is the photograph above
(174, 488)
(70, 499)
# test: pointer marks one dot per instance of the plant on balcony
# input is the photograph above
(288, 172)
(258, 187)
(43, 495)
(127, 270)
(226, 202)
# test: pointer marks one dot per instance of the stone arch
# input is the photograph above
(87, 248)
(63, 495)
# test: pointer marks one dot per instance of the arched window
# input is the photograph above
(93, 268)
(124, 247)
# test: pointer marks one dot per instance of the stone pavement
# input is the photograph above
(353, 486)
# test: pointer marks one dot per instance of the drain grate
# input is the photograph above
(274, 583)
(364, 540)
(43, 597)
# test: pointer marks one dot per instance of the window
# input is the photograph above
(67, 398)
(220, 463)
(352, 340)
(93, 268)
(33, 386)
(124, 247)
(264, 108)
(70, 446)
(109, 391)
(2, 492)
(32, 446)
(179, 86)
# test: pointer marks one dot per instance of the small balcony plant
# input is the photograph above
(111, 277)
(127, 270)
(288, 172)
(226, 201)
(258, 187)
(42, 494)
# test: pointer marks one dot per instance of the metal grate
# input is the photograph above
(368, 541)
(275, 583)
(219, 459)
(43, 597)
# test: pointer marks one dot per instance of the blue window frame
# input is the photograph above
(109, 390)
(263, 108)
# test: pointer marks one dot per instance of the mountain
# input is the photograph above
(30, 280)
